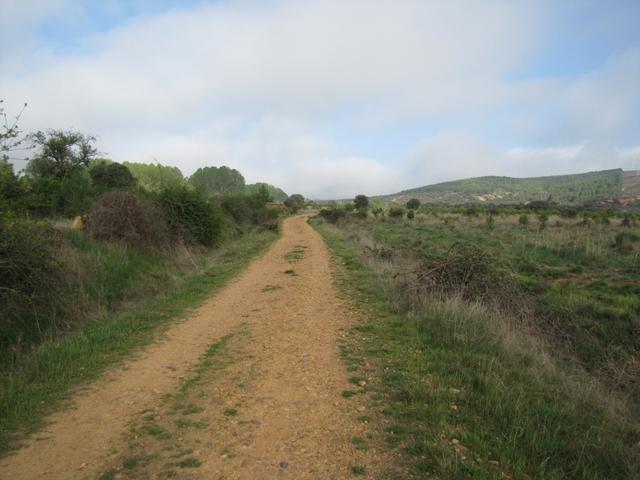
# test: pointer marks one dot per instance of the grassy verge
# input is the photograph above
(469, 397)
(47, 373)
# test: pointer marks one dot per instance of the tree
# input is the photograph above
(277, 194)
(61, 153)
(217, 180)
(294, 202)
(361, 201)
(155, 177)
(10, 188)
(413, 204)
(111, 175)
(10, 135)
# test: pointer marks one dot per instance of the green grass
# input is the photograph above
(469, 396)
(586, 293)
(47, 373)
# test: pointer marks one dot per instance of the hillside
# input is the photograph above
(563, 189)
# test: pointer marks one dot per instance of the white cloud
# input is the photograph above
(251, 84)
(454, 156)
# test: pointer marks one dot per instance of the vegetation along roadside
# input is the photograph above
(485, 372)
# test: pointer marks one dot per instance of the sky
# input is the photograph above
(334, 98)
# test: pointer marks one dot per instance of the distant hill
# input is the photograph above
(563, 189)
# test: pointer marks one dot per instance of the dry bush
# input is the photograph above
(467, 271)
(124, 218)
(32, 284)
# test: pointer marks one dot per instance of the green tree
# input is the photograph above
(61, 153)
(360, 202)
(277, 194)
(106, 176)
(10, 187)
(413, 204)
(155, 177)
(294, 202)
(217, 180)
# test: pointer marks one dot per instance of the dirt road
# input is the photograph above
(249, 386)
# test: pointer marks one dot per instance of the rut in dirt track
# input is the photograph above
(269, 407)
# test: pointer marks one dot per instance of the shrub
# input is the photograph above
(543, 218)
(491, 223)
(413, 204)
(523, 219)
(625, 241)
(396, 211)
(294, 202)
(31, 283)
(467, 270)
(360, 202)
(111, 175)
(332, 214)
(122, 217)
(362, 213)
(411, 214)
(190, 215)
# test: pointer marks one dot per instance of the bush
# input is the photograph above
(190, 216)
(111, 175)
(396, 211)
(31, 283)
(523, 219)
(294, 202)
(411, 214)
(332, 214)
(360, 202)
(543, 218)
(413, 204)
(467, 270)
(122, 217)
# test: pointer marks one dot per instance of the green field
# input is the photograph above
(505, 348)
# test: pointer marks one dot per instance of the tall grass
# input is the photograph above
(473, 391)
(155, 291)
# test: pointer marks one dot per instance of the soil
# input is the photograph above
(249, 385)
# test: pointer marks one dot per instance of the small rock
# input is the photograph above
(455, 441)
(362, 409)
(284, 464)
(455, 391)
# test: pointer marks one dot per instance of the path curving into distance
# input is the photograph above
(249, 385)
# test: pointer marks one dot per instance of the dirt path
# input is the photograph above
(249, 386)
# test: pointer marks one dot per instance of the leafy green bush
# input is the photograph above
(523, 219)
(413, 204)
(58, 196)
(360, 202)
(333, 214)
(362, 213)
(294, 202)
(123, 217)
(190, 215)
(396, 211)
(106, 176)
